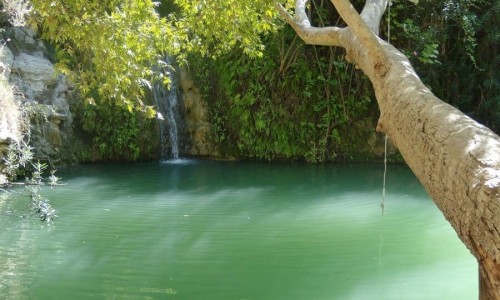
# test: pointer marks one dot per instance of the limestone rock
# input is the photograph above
(26, 69)
(32, 73)
(196, 112)
(6, 61)
(10, 115)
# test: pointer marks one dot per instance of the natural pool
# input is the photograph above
(227, 230)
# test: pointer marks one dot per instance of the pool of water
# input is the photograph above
(234, 230)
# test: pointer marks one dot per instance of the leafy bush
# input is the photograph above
(295, 102)
(18, 162)
(114, 133)
(454, 48)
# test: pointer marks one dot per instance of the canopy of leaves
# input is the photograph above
(214, 27)
(107, 47)
(294, 102)
(111, 47)
(302, 101)
(454, 48)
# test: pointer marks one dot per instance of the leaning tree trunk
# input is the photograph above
(456, 159)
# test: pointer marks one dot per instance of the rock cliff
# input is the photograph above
(37, 93)
(196, 118)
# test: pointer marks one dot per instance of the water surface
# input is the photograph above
(226, 230)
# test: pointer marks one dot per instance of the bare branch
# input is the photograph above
(300, 12)
(363, 32)
(372, 13)
(325, 36)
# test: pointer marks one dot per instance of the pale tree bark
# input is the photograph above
(456, 159)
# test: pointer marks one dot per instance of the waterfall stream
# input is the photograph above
(169, 113)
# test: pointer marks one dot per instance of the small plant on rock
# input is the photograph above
(18, 162)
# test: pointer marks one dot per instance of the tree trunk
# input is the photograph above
(456, 159)
(485, 293)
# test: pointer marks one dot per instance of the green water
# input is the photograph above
(225, 230)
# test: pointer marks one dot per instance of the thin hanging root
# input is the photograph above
(382, 204)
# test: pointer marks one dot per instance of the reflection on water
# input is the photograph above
(219, 230)
(178, 161)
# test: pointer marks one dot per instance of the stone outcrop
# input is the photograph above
(9, 107)
(40, 93)
(10, 112)
(6, 62)
(196, 118)
(33, 74)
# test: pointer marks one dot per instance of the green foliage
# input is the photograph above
(301, 102)
(293, 102)
(107, 47)
(39, 204)
(462, 13)
(115, 133)
(111, 48)
(216, 27)
(17, 159)
(270, 95)
(420, 42)
(453, 47)
(18, 162)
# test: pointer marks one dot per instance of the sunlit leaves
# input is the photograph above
(214, 27)
(107, 47)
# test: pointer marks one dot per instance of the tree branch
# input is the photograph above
(325, 36)
(363, 32)
(372, 13)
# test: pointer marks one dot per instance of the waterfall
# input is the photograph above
(169, 112)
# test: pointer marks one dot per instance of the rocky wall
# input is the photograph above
(196, 117)
(40, 93)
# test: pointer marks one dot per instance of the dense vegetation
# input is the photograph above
(296, 101)
(114, 133)
(270, 95)
(454, 47)
(108, 48)
(306, 101)
(113, 51)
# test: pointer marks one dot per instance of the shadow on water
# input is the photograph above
(246, 230)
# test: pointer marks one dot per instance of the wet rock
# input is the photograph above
(196, 113)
